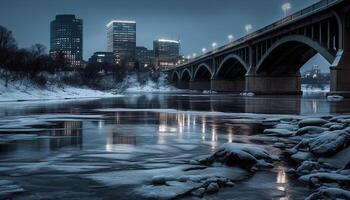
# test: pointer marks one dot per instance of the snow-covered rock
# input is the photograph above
(329, 143)
(279, 132)
(245, 156)
(290, 127)
(335, 98)
(311, 130)
(307, 166)
(199, 192)
(337, 127)
(312, 122)
(329, 193)
(8, 188)
(212, 188)
(325, 177)
(161, 180)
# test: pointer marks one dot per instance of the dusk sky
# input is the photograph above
(196, 23)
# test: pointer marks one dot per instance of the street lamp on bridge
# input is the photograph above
(286, 7)
(230, 38)
(248, 28)
(214, 45)
(204, 50)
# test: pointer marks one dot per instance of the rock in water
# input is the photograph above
(199, 192)
(245, 156)
(329, 193)
(161, 180)
(279, 132)
(312, 122)
(212, 188)
(311, 130)
(8, 188)
(329, 143)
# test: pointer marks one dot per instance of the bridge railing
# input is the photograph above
(301, 13)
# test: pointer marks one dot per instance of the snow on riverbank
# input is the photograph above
(26, 91)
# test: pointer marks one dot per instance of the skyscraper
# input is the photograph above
(121, 39)
(67, 37)
(144, 56)
(166, 52)
(166, 48)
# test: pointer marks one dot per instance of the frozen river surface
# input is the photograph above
(146, 146)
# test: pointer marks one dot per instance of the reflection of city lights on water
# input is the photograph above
(281, 176)
(100, 124)
(314, 105)
(281, 180)
(214, 137)
(230, 134)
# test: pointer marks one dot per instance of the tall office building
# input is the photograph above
(166, 52)
(121, 39)
(66, 36)
(144, 56)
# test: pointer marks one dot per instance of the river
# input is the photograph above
(111, 148)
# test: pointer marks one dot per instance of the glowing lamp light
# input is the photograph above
(214, 45)
(248, 28)
(286, 7)
(230, 38)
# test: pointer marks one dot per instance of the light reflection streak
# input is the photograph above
(230, 134)
(281, 181)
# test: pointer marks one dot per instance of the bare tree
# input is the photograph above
(7, 47)
(38, 50)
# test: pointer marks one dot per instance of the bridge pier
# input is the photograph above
(200, 85)
(228, 85)
(287, 85)
(183, 85)
(340, 77)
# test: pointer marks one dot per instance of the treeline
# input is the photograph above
(35, 64)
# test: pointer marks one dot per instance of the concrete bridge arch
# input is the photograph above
(230, 75)
(290, 53)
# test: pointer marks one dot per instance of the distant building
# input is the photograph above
(66, 36)
(166, 52)
(144, 56)
(103, 57)
(121, 40)
(315, 76)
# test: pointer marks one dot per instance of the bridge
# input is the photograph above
(268, 61)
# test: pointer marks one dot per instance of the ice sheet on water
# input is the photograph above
(114, 156)
(137, 177)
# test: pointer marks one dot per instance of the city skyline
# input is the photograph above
(182, 22)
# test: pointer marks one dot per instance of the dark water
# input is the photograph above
(109, 148)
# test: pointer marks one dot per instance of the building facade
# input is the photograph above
(66, 36)
(166, 53)
(121, 40)
(103, 57)
(144, 56)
